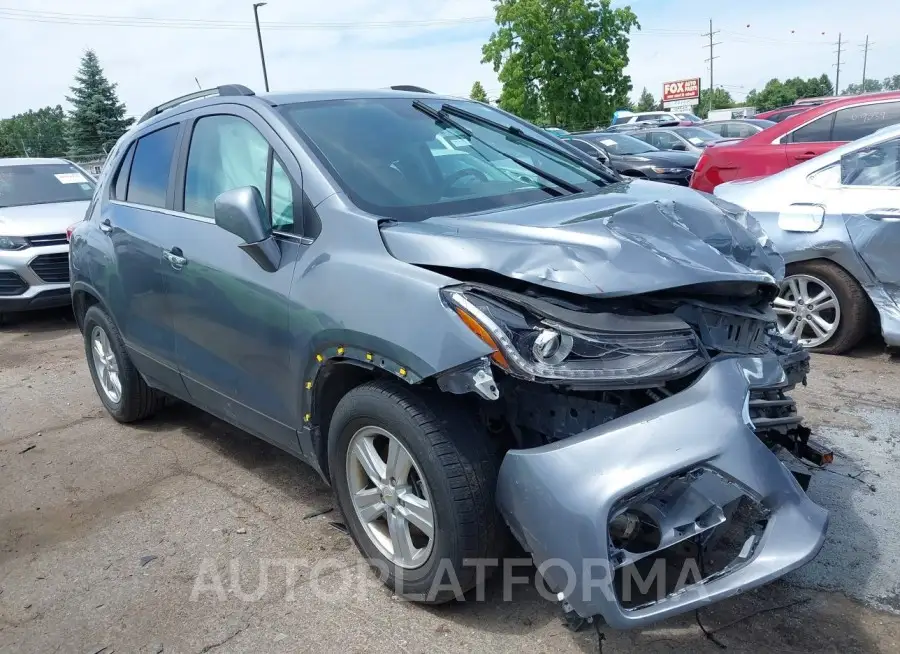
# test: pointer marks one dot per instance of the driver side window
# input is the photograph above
(227, 152)
(875, 166)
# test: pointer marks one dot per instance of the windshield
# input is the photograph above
(24, 184)
(395, 160)
(690, 117)
(698, 135)
(619, 143)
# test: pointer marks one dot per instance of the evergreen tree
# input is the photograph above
(646, 101)
(478, 92)
(97, 119)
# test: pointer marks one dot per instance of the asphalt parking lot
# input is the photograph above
(183, 534)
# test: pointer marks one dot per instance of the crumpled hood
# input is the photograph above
(634, 237)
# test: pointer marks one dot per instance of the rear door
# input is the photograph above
(231, 317)
(809, 141)
(869, 198)
(135, 220)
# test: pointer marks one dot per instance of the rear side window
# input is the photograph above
(150, 167)
(855, 122)
(719, 129)
(587, 148)
(817, 131)
(120, 185)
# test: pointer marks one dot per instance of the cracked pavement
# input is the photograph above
(183, 534)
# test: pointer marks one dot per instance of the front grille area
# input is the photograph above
(11, 284)
(47, 239)
(52, 268)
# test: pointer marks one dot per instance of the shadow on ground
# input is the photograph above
(777, 618)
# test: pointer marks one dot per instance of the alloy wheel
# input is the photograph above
(808, 310)
(390, 497)
(106, 365)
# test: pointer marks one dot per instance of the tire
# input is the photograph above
(855, 310)
(137, 400)
(459, 470)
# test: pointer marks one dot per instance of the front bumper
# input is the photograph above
(33, 291)
(558, 498)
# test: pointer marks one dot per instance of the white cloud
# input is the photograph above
(153, 64)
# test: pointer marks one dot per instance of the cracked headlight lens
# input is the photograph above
(532, 348)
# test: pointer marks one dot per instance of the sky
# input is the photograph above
(159, 49)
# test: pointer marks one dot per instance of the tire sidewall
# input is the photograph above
(362, 409)
(95, 317)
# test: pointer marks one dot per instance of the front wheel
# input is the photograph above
(823, 307)
(414, 477)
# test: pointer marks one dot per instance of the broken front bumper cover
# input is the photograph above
(558, 499)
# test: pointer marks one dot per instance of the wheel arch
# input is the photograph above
(84, 297)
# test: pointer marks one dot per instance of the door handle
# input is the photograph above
(890, 214)
(175, 257)
(806, 156)
(106, 226)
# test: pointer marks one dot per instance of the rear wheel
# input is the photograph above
(823, 307)
(120, 386)
(414, 476)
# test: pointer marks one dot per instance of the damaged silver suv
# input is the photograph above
(469, 330)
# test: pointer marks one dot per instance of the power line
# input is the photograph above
(712, 58)
(837, 75)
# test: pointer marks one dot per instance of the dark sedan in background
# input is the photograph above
(679, 139)
(634, 158)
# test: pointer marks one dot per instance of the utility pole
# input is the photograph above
(262, 55)
(837, 75)
(711, 34)
(865, 61)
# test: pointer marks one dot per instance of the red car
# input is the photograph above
(798, 138)
(781, 113)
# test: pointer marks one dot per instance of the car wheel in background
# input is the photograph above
(414, 476)
(822, 306)
(120, 386)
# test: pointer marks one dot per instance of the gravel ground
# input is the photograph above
(177, 535)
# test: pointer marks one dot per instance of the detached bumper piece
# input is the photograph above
(669, 508)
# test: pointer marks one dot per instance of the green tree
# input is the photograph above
(721, 99)
(561, 62)
(478, 92)
(871, 86)
(40, 133)
(891, 83)
(646, 102)
(779, 94)
(97, 119)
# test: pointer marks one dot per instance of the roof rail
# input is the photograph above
(408, 87)
(225, 89)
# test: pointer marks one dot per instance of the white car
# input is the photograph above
(39, 200)
(836, 221)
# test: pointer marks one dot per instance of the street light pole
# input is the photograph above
(262, 55)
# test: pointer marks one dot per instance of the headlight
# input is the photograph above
(534, 348)
(667, 171)
(13, 243)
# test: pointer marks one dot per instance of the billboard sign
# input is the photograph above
(683, 91)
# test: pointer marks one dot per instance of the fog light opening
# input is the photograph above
(635, 531)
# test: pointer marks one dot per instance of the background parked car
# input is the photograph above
(39, 200)
(836, 221)
(682, 139)
(781, 113)
(796, 139)
(737, 128)
(635, 158)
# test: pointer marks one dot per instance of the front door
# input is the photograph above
(231, 317)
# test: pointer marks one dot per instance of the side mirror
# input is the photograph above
(242, 212)
(680, 147)
(602, 156)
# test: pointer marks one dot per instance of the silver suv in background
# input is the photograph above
(39, 199)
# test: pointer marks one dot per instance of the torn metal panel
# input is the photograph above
(576, 482)
(626, 240)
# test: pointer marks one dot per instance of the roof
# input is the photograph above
(30, 161)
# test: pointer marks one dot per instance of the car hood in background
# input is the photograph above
(665, 157)
(633, 237)
(40, 219)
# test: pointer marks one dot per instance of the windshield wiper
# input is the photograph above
(521, 134)
(550, 177)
